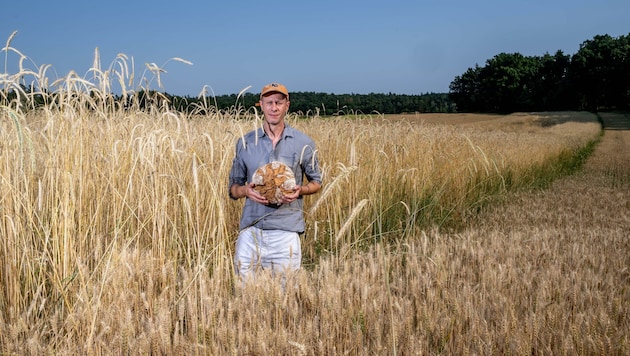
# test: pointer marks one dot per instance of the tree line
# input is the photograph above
(595, 78)
(305, 103)
(309, 103)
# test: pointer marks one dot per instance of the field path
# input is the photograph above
(599, 194)
(569, 246)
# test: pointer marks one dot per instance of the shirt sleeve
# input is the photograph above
(238, 172)
(310, 163)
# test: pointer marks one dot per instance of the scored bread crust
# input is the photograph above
(274, 180)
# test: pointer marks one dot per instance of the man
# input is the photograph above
(269, 233)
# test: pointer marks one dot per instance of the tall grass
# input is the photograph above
(117, 232)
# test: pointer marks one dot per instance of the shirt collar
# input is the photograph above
(287, 132)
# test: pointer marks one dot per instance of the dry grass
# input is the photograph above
(427, 239)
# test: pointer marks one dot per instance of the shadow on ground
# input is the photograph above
(615, 121)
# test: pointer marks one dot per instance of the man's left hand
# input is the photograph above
(290, 198)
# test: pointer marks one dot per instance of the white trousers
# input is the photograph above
(273, 250)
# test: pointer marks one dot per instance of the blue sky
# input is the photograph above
(403, 47)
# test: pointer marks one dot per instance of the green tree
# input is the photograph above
(551, 88)
(465, 90)
(599, 71)
(507, 82)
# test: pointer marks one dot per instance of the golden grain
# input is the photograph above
(117, 233)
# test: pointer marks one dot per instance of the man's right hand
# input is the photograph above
(252, 194)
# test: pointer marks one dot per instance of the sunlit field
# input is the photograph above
(118, 233)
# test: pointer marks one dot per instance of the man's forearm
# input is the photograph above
(310, 188)
(238, 191)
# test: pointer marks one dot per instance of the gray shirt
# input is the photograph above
(296, 150)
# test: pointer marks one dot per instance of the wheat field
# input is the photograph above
(433, 234)
(118, 233)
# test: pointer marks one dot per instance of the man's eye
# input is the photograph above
(269, 103)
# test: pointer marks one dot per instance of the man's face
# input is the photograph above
(274, 106)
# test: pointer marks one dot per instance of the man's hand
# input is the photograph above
(290, 198)
(252, 194)
(247, 191)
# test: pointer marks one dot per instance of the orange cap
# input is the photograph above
(274, 88)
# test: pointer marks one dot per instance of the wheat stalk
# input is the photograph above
(346, 225)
